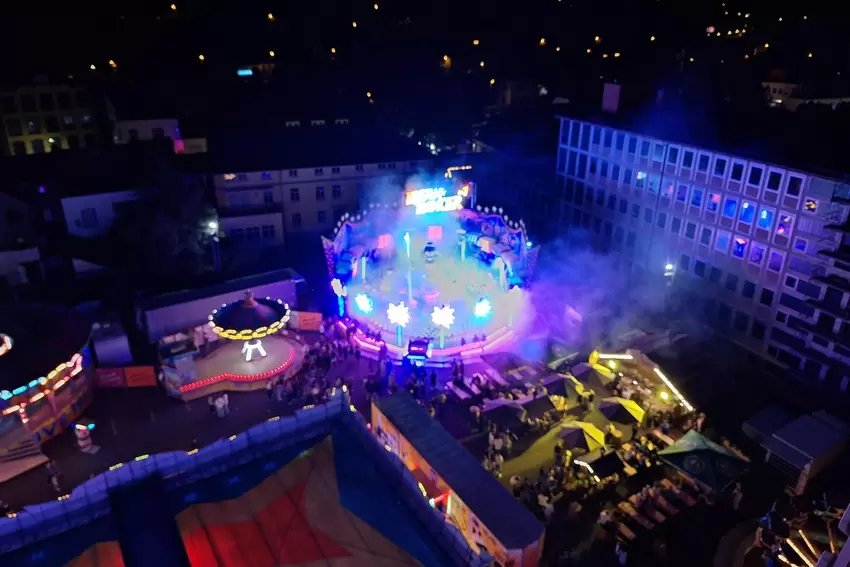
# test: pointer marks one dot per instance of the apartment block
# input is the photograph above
(761, 249)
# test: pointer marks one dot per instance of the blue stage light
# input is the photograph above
(363, 303)
(483, 308)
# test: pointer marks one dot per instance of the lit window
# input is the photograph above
(640, 179)
(739, 247)
(811, 206)
(748, 212)
(682, 193)
(800, 244)
(713, 202)
(784, 224)
(722, 242)
(765, 219)
(774, 264)
(696, 197)
(757, 254)
(729, 208)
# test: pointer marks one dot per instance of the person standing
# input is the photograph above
(226, 399)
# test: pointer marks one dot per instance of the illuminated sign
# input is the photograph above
(245, 72)
(433, 200)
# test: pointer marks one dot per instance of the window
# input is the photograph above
(682, 193)
(268, 232)
(603, 169)
(621, 140)
(731, 282)
(9, 105)
(293, 173)
(658, 152)
(597, 136)
(27, 103)
(607, 138)
(265, 176)
(737, 173)
(705, 236)
(755, 175)
(296, 220)
(612, 202)
(321, 216)
(295, 195)
(690, 230)
(88, 218)
(627, 176)
(358, 167)
(699, 268)
(784, 225)
(685, 262)
(85, 120)
(739, 247)
(13, 127)
(790, 281)
(68, 122)
(336, 192)
(73, 141)
(159, 134)
(741, 321)
(758, 330)
(630, 239)
(748, 212)
(33, 126)
(748, 290)
(319, 171)
(19, 148)
(237, 233)
(647, 215)
(661, 221)
(90, 140)
(635, 211)
(37, 146)
(719, 167)
(334, 170)
(51, 124)
(774, 179)
(810, 206)
(624, 206)
(702, 164)
(320, 193)
(268, 197)
(800, 244)
(696, 197)
(729, 208)
(714, 275)
(594, 162)
(632, 149)
(242, 177)
(675, 225)
(673, 155)
(688, 159)
(766, 297)
(713, 202)
(757, 253)
(644, 149)
(252, 233)
(615, 173)
(600, 198)
(722, 242)
(795, 185)
(777, 259)
(640, 179)
(765, 219)
(64, 99)
(585, 136)
(82, 99)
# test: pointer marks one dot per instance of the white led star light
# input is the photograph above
(398, 314)
(443, 316)
(339, 289)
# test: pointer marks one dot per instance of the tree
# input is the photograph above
(167, 232)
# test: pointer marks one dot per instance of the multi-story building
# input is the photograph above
(763, 250)
(41, 118)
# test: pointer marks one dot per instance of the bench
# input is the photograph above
(654, 515)
(683, 496)
(665, 439)
(629, 510)
(470, 385)
(461, 394)
(624, 531)
(664, 503)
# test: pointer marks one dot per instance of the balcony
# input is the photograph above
(833, 280)
(828, 334)
(835, 311)
(251, 209)
(843, 227)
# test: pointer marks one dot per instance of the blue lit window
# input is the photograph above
(739, 247)
(696, 197)
(640, 179)
(748, 212)
(682, 193)
(722, 242)
(729, 208)
(765, 219)
(713, 202)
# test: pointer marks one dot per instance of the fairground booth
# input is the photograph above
(243, 344)
(433, 276)
(487, 515)
(45, 381)
(314, 488)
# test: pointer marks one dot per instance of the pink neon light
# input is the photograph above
(238, 377)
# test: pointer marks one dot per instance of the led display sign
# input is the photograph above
(433, 200)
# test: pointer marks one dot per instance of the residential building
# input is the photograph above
(762, 249)
(306, 178)
(91, 215)
(127, 131)
(41, 118)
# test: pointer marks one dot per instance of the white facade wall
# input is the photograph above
(744, 235)
(88, 216)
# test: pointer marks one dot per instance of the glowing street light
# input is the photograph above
(354, 24)
(271, 53)
(92, 67)
(398, 315)
(201, 57)
(443, 317)
(481, 64)
(375, 6)
(542, 42)
(475, 42)
(333, 49)
(492, 82)
(174, 7)
(368, 94)
(270, 17)
(113, 64)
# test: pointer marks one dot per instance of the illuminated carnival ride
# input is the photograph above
(44, 372)
(429, 278)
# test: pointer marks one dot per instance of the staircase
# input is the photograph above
(19, 453)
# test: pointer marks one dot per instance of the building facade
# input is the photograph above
(90, 216)
(266, 205)
(761, 249)
(43, 118)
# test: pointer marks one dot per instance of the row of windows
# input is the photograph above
(298, 220)
(336, 193)
(293, 173)
(50, 124)
(40, 146)
(582, 136)
(265, 232)
(63, 100)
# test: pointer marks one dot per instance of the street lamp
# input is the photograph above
(212, 228)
